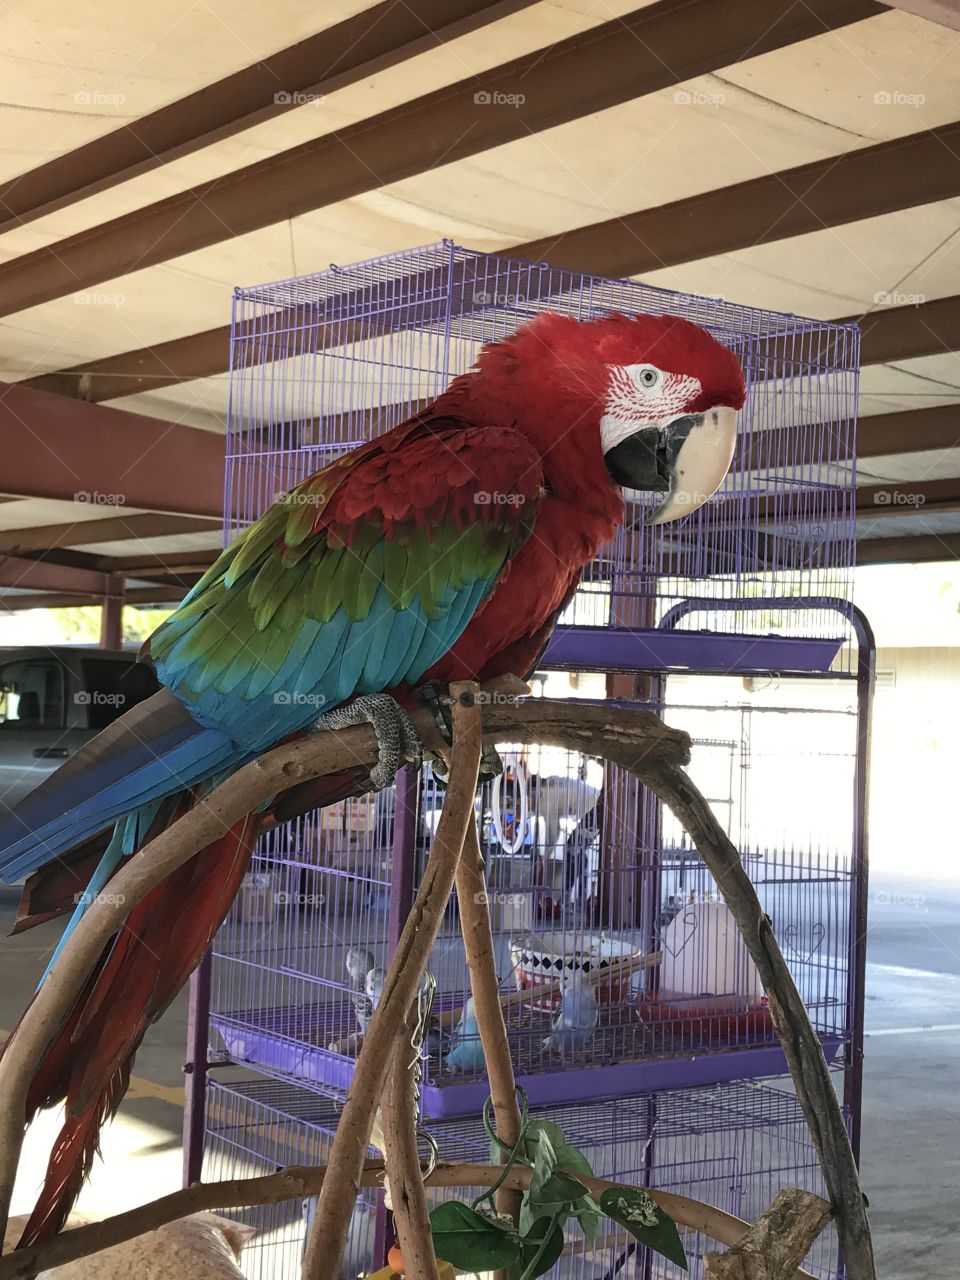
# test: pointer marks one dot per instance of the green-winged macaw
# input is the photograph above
(444, 549)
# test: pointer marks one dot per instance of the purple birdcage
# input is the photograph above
(735, 623)
(733, 1146)
(322, 362)
(568, 890)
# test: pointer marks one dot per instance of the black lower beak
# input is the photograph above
(645, 461)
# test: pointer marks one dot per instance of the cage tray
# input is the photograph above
(623, 1058)
(620, 649)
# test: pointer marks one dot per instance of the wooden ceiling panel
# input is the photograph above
(72, 71)
(897, 258)
(617, 63)
(507, 35)
(911, 384)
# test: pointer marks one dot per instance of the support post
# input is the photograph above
(111, 615)
(195, 1071)
(857, 979)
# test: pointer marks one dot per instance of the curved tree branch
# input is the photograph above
(639, 734)
(801, 1045)
(296, 1181)
(485, 989)
(398, 1111)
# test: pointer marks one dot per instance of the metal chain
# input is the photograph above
(425, 999)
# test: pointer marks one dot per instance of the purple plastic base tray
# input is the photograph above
(293, 1043)
(622, 649)
(620, 1080)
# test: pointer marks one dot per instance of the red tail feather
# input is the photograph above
(140, 972)
(71, 1160)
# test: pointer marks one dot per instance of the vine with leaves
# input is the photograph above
(475, 1237)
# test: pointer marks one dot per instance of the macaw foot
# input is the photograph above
(397, 740)
(438, 701)
(491, 765)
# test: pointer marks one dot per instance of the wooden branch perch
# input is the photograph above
(639, 735)
(777, 1242)
(328, 1235)
(481, 961)
(296, 1181)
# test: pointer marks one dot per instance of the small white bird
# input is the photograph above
(374, 984)
(467, 1051)
(576, 1016)
(358, 964)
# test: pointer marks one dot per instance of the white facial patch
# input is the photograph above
(641, 395)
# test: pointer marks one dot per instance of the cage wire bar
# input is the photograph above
(323, 362)
(566, 894)
(585, 873)
(731, 1145)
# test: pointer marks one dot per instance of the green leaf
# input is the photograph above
(532, 1212)
(553, 1132)
(558, 1198)
(587, 1213)
(559, 1186)
(645, 1221)
(568, 1158)
(544, 1233)
(573, 1161)
(470, 1240)
(544, 1163)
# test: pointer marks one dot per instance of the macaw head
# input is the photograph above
(655, 396)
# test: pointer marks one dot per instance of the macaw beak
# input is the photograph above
(686, 460)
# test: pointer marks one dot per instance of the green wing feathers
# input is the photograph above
(406, 523)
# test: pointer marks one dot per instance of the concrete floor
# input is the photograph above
(911, 1155)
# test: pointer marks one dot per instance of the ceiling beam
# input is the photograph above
(174, 570)
(111, 529)
(54, 447)
(165, 364)
(920, 549)
(149, 565)
(911, 431)
(880, 435)
(382, 36)
(945, 12)
(904, 333)
(915, 170)
(908, 498)
(46, 600)
(42, 575)
(921, 168)
(624, 59)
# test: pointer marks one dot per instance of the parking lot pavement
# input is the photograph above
(911, 1125)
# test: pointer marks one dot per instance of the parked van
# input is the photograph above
(53, 700)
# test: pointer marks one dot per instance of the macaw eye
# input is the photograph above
(647, 377)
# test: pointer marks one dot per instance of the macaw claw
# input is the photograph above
(398, 742)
